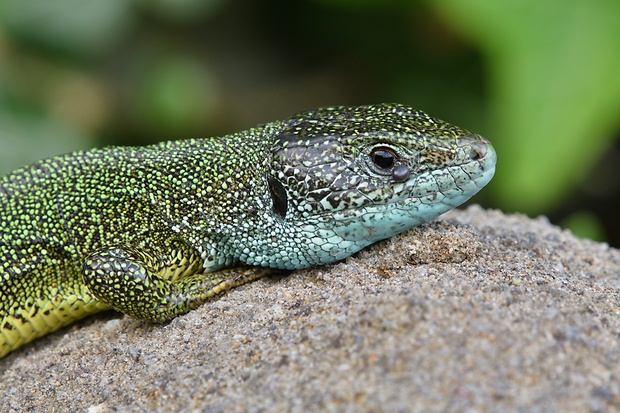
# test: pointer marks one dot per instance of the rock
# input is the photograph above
(479, 311)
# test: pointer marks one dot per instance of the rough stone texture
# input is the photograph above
(476, 312)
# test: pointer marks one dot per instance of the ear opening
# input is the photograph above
(278, 196)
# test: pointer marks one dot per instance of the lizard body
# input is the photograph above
(156, 231)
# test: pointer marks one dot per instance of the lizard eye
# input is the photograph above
(383, 157)
(387, 162)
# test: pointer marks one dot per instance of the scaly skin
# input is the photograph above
(154, 232)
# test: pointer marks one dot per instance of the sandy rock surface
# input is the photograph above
(476, 312)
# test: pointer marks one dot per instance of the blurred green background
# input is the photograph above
(540, 79)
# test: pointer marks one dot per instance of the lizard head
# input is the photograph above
(349, 176)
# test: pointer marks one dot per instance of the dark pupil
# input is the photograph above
(383, 158)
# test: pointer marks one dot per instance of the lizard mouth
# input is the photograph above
(455, 184)
(471, 169)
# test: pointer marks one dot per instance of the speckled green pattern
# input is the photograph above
(154, 232)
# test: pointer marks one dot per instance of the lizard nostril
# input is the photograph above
(474, 154)
(477, 147)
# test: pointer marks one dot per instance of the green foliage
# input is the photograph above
(173, 94)
(28, 137)
(77, 27)
(554, 90)
(584, 224)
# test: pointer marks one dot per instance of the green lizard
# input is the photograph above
(154, 232)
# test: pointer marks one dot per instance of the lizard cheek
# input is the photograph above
(401, 173)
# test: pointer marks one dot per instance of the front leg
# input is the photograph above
(140, 284)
